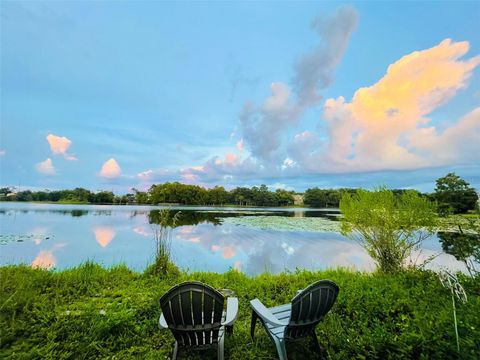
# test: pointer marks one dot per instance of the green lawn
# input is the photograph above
(92, 312)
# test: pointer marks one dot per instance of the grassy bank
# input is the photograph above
(92, 312)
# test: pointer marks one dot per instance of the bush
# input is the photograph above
(389, 227)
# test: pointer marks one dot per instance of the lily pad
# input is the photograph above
(282, 223)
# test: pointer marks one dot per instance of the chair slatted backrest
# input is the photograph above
(193, 312)
(309, 307)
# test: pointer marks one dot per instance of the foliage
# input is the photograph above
(77, 195)
(454, 195)
(94, 313)
(330, 198)
(389, 227)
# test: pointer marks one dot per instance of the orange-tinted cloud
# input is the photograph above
(104, 235)
(231, 159)
(59, 146)
(45, 260)
(46, 167)
(110, 169)
(385, 126)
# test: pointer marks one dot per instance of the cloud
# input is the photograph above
(316, 70)
(110, 169)
(59, 146)
(240, 145)
(46, 167)
(385, 126)
(3, 152)
(157, 175)
(262, 126)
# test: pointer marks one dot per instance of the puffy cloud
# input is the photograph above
(110, 169)
(262, 126)
(59, 146)
(3, 152)
(385, 126)
(46, 167)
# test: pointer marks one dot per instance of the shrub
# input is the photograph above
(389, 227)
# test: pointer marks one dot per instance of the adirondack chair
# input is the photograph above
(194, 312)
(298, 319)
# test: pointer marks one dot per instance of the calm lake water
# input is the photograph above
(209, 239)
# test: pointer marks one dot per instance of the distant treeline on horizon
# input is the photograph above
(178, 193)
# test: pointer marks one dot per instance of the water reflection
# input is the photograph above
(202, 240)
(44, 259)
(104, 235)
(464, 247)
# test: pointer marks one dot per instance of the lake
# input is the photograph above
(251, 240)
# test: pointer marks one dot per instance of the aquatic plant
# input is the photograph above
(162, 233)
(282, 223)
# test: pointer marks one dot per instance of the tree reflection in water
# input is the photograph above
(464, 247)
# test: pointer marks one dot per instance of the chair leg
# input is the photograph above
(253, 323)
(175, 351)
(221, 348)
(315, 344)
(282, 350)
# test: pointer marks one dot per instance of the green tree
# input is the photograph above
(454, 195)
(387, 226)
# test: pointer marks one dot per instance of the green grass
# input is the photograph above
(92, 312)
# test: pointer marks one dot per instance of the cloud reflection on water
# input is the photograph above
(104, 234)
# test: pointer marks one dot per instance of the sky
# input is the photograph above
(115, 95)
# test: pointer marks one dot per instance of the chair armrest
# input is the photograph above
(265, 314)
(162, 323)
(232, 311)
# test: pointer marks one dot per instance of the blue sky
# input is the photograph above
(113, 95)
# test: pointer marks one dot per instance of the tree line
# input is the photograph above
(452, 194)
(168, 193)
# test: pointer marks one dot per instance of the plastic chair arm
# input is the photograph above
(265, 314)
(232, 311)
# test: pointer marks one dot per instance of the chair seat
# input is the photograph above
(281, 312)
(297, 320)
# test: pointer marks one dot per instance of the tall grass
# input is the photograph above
(91, 312)
(162, 234)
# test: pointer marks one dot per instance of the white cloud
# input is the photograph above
(3, 152)
(45, 167)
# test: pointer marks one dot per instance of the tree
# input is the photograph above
(387, 226)
(454, 195)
